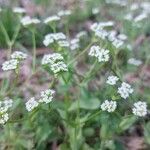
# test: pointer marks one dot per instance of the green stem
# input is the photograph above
(79, 55)
(34, 51)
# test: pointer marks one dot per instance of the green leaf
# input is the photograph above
(127, 122)
(91, 104)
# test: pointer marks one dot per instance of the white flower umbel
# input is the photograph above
(26, 21)
(134, 61)
(109, 106)
(10, 64)
(74, 44)
(51, 58)
(125, 90)
(31, 104)
(64, 13)
(4, 118)
(19, 10)
(101, 54)
(140, 109)
(5, 105)
(112, 80)
(51, 19)
(52, 37)
(47, 96)
(18, 55)
(58, 67)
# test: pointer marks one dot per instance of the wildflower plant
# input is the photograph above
(78, 87)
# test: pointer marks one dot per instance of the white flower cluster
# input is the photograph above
(31, 104)
(140, 108)
(74, 44)
(54, 37)
(125, 90)
(4, 107)
(112, 80)
(101, 54)
(19, 10)
(55, 62)
(51, 58)
(47, 96)
(134, 61)
(58, 67)
(12, 64)
(95, 11)
(109, 106)
(64, 13)
(26, 21)
(98, 29)
(18, 55)
(51, 19)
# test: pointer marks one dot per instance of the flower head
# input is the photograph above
(4, 118)
(109, 106)
(51, 19)
(125, 90)
(101, 54)
(64, 13)
(47, 96)
(51, 58)
(59, 66)
(140, 108)
(10, 64)
(31, 104)
(19, 10)
(18, 55)
(26, 21)
(112, 80)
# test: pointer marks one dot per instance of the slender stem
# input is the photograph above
(79, 55)
(34, 51)
(89, 72)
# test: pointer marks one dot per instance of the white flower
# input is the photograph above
(5, 105)
(64, 13)
(140, 17)
(51, 58)
(140, 108)
(80, 34)
(101, 54)
(10, 65)
(51, 38)
(31, 104)
(19, 10)
(125, 90)
(28, 21)
(112, 80)
(47, 96)
(94, 51)
(117, 43)
(101, 33)
(59, 66)
(109, 106)
(51, 19)
(18, 55)
(122, 37)
(74, 44)
(63, 43)
(134, 61)
(4, 118)
(95, 11)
